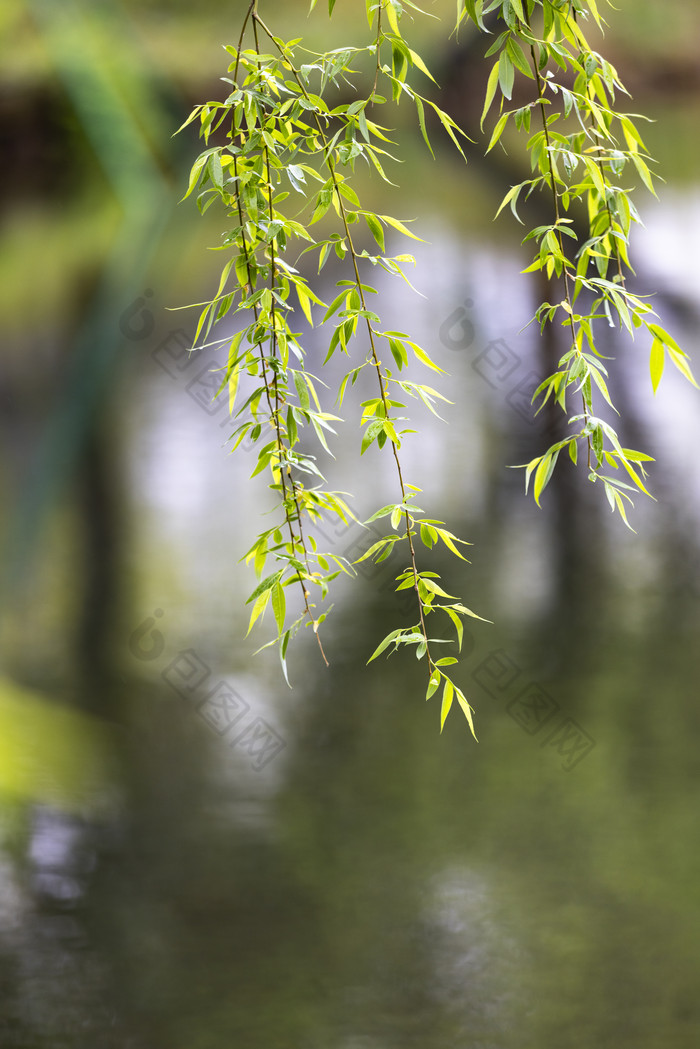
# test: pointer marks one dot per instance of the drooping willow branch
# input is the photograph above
(576, 160)
(284, 132)
(371, 334)
(287, 165)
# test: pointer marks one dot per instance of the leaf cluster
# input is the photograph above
(284, 178)
(586, 155)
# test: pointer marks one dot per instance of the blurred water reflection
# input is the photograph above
(169, 878)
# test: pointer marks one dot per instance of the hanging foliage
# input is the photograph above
(288, 161)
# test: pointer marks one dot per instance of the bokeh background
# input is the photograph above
(193, 856)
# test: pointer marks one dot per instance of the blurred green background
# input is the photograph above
(193, 856)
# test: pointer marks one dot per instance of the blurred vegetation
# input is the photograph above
(49, 753)
(181, 40)
(57, 211)
(402, 883)
(60, 209)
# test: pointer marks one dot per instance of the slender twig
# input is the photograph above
(377, 47)
(370, 331)
(557, 215)
(590, 95)
(273, 314)
(275, 411)
(239, 49)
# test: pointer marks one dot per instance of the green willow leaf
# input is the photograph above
(278, 606)
(433, 684)
(447, 697)
(656, 363)
(291, 129)
(506, 75)
(490, 92)
(382, 647)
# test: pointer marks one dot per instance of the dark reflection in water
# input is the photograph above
(400, 889)
(378, 886)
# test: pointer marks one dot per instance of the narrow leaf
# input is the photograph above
(447, 697)
(278, 606)
(384, 644)
(657, 360)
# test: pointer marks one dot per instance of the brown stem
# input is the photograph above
(275, 412)
(371, 334)
(601, 169)
(557, 216)
(379, 33)
(248, 13)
